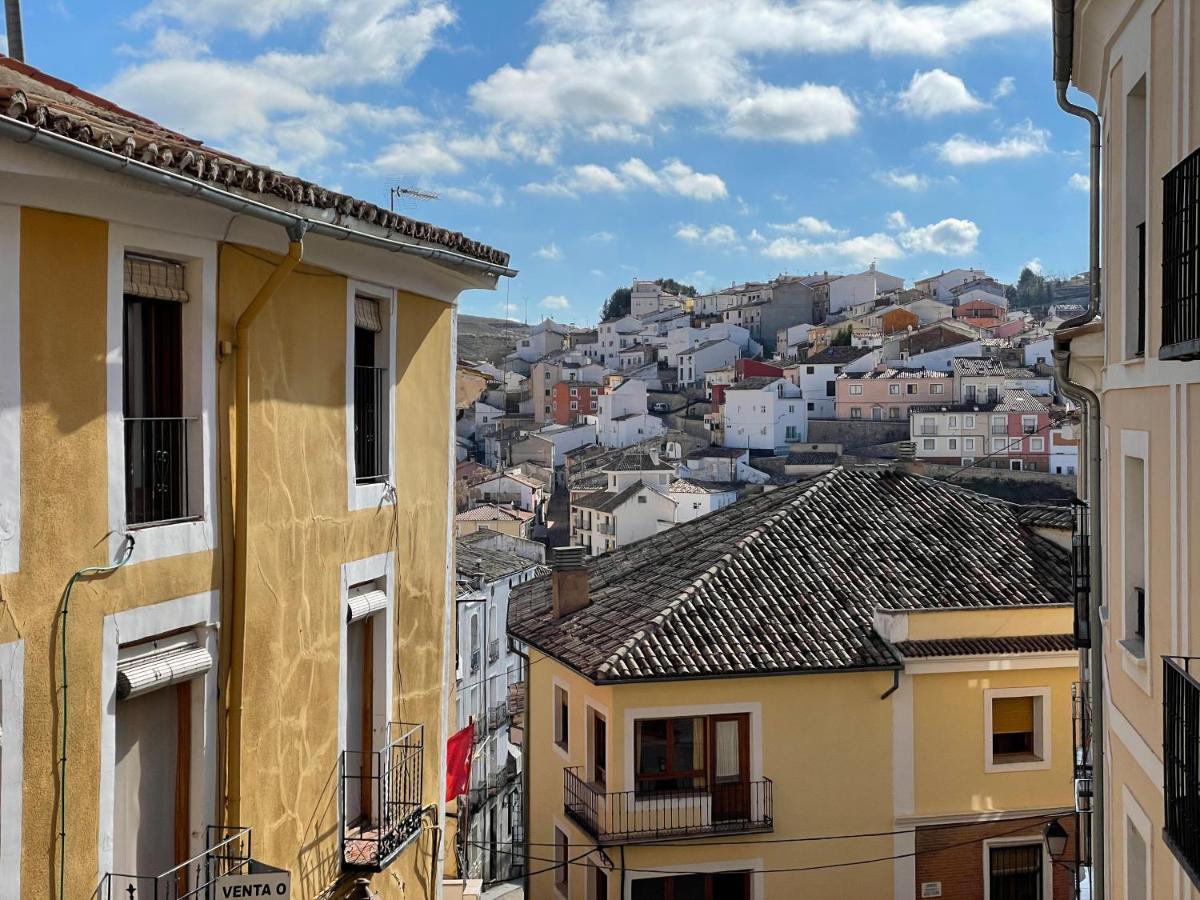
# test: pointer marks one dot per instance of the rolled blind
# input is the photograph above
(143, 674)
(365, 604)
(366, 314)
(156, 279)
(1012, 715)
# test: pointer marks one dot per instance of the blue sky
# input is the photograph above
(706, 140)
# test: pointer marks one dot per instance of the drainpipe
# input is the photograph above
(241, 494)
(1064, 37)
(12, 28)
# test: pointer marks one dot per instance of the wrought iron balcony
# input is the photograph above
(497, 715)
(475, 661)
(158, 456)
(493, 650)
(619, 817)
(381, 798)
(1081, 581)
(227, 853)
(1181, 261)
(370, 424)
(1181, 761)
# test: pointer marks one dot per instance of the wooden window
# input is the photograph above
(1015, 871)
(669, 754)
(562, 719)
(1015, 728)
(562, 874)
(715, 886)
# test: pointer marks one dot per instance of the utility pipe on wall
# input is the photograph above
(241, 494)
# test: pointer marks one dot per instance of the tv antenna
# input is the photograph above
(407, 197)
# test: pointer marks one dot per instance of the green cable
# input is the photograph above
(88, 572)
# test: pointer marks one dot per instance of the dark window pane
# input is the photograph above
(731, 886)
(688, 887)
(649, 889)
(652, 747)
(1014, 742)
(688, 739)
(1016, 872)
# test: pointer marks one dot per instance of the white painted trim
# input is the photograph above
(1120, 727)
(904, 867)
(727, 865)
(569, 832)
(1065, 659)
(199, 611)
(374, 567)
(1045, 737)
(754, 709)
(556, 682)
(10, 388)
(1136, 444)
(12, 766)
(199, 385)
(975, 817)
(370, 496)
(1136, 816)
(1034, 838)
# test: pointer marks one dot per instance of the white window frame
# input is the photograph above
(556, 685)
(1029, 839)
(856, 389)
(374, 568)
(1036, 445)
(200, 612)
(1135, 445)
(370, 496)
(1043, 737)
(999, 444)
(968, 421)
(10, 397)
(12, 764)
(199, 258)
(929, 443)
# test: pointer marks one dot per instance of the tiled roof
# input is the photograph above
(1046, 516)
(31, 96)
(695, 486)
(1020, 400)
(977, 365)
(704, 346)
(987, 646)
(887, 373)
(718, 453)
(597, 481)
(494, 564)
(789, 581)
(637, 462)
(607, 501)
(757, 383)
(490, 512)
(812, 458)
(836, 355)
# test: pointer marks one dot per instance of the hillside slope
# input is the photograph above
(481, 338)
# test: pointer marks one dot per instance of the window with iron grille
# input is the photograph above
(1015, 871)
(1181, 762)
(1181, 261)
(371, 443)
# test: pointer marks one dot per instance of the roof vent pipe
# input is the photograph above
(569, 580)
(12, 28)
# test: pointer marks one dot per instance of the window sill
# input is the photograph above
(1135, 650)
(1023, 762)
(1182, 350)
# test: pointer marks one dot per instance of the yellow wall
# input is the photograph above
(960, 623)
(949, 743)
(300, 534)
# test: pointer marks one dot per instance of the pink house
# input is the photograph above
(1028, 426)
(885, 394)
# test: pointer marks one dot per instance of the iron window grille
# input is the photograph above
(370, 424)
(227, 852)
(158, 470)
(388, 784)
(1081, 581)
(1181, 762)
(1181, 261)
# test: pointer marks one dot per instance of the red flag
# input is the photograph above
(458, 762)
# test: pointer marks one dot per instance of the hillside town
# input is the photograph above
(871, 582)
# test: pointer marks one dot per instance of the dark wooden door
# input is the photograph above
(729, 738)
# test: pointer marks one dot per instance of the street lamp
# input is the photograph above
(1056, 839)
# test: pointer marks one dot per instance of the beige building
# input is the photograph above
(223, 455)
(1139, 65)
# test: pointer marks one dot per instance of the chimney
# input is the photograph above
(569, 580)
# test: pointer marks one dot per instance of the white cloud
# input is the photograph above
(602, 237)
(673, 177)
(487, 194)
(755, 237)
(859, 249)
(909, 181)
(949, 237)
(550, 251)
(897, 219)
(936, 93)
(715, 235)
(599, 273)
(507, 309)
(420, 154)
(1079, 182)
(808, 225)
(555, 301)
(1023, 141)
(1004, 87)
(616, 133)
(1034, 265)
(805, 114)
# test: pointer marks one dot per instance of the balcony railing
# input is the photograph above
(1081, 562)
(497, 715)
(158, 457)
(370, 424)
(493, 650)
(381, 798)
(1181, 762)
(227, 853)
(629, 816)
(1181, 261)
(475, 661)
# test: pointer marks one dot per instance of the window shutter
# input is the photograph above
(140, 675)
(366, 314)
(155, 279)
(1012, 715)
(365, 604)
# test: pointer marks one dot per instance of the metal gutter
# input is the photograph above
(1064, 41)
(24, 133)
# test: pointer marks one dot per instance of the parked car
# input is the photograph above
(660, 407)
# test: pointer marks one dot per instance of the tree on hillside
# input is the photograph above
(674, 287)
(617, 304)
(1031, 290)
(843, 337)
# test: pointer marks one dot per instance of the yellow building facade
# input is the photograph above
(889, 778)
(226, 468)
(1138, 66)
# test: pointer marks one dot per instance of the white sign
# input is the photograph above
(275, 885)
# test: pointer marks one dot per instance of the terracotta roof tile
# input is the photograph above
(987, 646)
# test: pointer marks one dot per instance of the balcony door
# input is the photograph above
(730, 742)
(360, 692)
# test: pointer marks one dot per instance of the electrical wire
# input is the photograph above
(86, 572)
